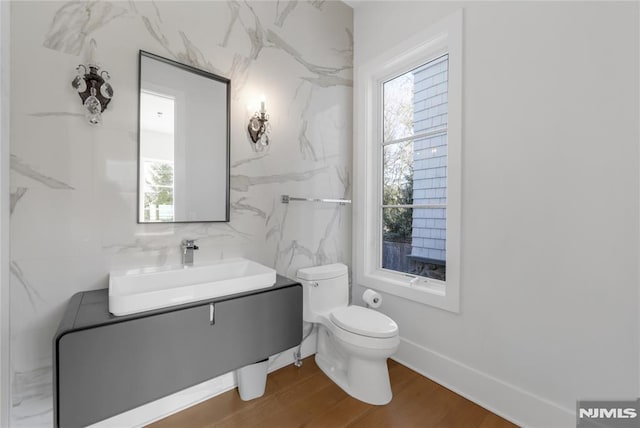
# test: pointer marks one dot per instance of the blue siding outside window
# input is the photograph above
(430, 160)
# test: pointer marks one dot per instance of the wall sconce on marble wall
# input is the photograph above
(93, 87)
(259, 128)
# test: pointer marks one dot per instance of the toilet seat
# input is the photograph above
(364, 322)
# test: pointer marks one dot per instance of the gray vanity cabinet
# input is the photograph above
(105, 369)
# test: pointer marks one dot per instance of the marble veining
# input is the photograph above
(324, 73)
(272, 232)
(344, 176)
(318, 3)
(238, 73)
(248, 160)
(325, 76)
(21, 167)
(347, 52)
(75, 21)
(140, 244)
(306, 147)
(285, 257)
(30, 290)
(281, 15)
(320, 255)
(15, 198)
(241, 183)
(240, 206)
(31, 398)
(192, 55)
(234, 8)
(69, 198)
(158, 243)
(157, 10)
(132, 6)
(255, 33)
(156, 34)
(239, 233)
(277, 231)
(325, 81)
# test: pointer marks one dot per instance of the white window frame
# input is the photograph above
(440, 38)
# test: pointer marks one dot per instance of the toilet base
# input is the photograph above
(364, 379)
(379, 394)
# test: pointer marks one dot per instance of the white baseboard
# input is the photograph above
(512, 403)
(174, 403)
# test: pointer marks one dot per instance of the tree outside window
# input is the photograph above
(158, 191)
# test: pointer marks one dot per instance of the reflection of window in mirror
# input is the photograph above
(157, 124)
(158, 191)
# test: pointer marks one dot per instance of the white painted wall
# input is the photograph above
(549, 293)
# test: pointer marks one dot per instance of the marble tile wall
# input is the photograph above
(73, 200)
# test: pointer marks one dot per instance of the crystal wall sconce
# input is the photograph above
(93, 87)
(259, 128)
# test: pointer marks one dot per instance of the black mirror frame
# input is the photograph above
(206, 74)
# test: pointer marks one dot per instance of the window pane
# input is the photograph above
(396, 238)
(414, 250)
(416, 101)
(398, 107)
(397, 173)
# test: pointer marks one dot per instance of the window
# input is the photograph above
(414, 170)
(408, 168)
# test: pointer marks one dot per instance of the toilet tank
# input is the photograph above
(324, 288)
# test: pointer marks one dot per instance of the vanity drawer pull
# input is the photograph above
(212, 314)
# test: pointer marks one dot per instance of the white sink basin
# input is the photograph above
(140, 290)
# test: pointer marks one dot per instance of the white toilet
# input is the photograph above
(353, 342)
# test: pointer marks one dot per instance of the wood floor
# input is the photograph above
(305, 397)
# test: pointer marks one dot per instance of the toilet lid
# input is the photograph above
(364, 321)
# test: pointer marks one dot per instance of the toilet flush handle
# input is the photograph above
(314, 283)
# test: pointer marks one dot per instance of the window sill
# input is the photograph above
(424, 291)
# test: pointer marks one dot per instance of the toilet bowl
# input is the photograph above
(353, 342)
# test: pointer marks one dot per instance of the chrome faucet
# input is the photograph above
(188, 245)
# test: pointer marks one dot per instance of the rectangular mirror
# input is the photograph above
(183, 143)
